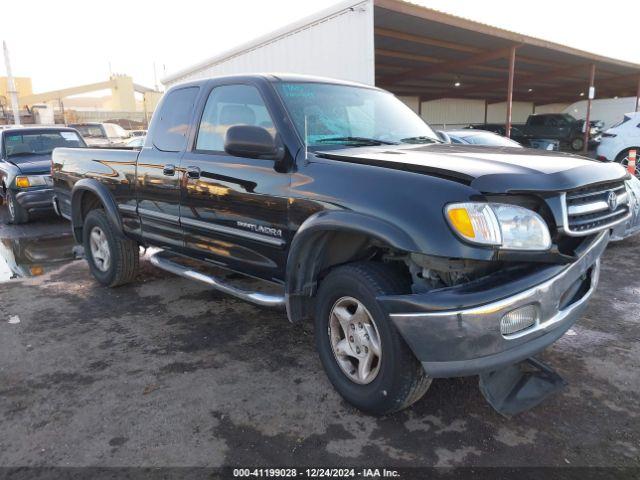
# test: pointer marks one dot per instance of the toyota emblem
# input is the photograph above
(612, 200)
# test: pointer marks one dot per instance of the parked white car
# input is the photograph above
(619, 139)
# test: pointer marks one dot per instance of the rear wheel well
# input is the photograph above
(88, 201)
(327, 250)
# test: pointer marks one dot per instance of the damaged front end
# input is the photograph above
(484, 318)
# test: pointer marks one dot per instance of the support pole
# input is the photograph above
(11, 86)
(512, 66)
(638, 96)
(587, 126)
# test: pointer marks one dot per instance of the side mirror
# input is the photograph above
(443, 136)
(253, 142)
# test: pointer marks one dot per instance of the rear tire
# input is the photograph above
(399, 378)
(17, 214)
(113, 259)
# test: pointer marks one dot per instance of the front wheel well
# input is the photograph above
(323, 252)
(620, 155)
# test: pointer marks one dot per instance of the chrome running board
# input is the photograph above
(258, 298)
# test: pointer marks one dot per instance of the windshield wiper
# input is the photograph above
(422, 139)
(360, 140)
(23, 154)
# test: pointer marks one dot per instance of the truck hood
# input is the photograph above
(487, 169)
(33, 164)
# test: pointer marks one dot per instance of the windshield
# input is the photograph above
(90, 131)
(351, 116)
(25, 144)
(489, 139)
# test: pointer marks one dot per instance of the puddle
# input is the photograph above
(33, 256)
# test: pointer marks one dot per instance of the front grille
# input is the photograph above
(591, 209)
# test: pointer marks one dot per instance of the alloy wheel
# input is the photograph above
(625, 161)
(355, 340)
(100, 249)
(12, 208)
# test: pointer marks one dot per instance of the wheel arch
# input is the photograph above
(618, 156)
(86, 195)
(331, 238)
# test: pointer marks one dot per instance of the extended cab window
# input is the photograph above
(227, 106)
(536, 121)
(170, 134)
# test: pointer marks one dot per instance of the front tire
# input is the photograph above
(363, 354)
(17, 214)
(113, 259)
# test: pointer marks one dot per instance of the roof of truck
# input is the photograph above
(275, 77)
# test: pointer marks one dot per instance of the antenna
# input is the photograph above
(155, 77)
(306, 148)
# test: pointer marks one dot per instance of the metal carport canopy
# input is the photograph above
(424, 52)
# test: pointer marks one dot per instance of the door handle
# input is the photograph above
(193, 172)
(169, 170)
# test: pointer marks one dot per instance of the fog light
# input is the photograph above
(519, 319)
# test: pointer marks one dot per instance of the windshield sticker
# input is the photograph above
(293, 90)
(72, 136)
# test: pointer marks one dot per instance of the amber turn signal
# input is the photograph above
(22, 182)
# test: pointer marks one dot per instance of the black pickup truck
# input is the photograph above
(564, 128)
(415, 259)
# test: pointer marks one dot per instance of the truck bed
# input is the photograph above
(115, 169)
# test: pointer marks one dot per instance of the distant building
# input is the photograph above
(23, 87)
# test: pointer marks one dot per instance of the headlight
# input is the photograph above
(499, 224)
(26, 181)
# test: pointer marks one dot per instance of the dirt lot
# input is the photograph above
(165, 372)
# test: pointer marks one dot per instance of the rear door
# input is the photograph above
(234, 209)
(558, 127)
(158, 174)
(535, 127)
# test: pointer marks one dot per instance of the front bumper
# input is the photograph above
(32, 200)
(468, 340)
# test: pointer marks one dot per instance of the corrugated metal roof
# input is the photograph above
(480, 27)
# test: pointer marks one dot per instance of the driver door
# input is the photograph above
(233, 210)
